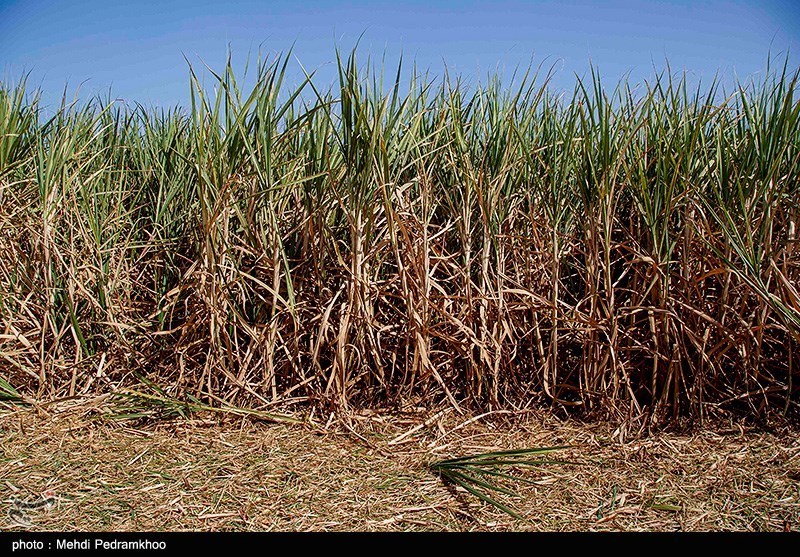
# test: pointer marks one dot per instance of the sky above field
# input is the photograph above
(137, 48)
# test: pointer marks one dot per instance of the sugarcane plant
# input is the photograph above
(626, 251)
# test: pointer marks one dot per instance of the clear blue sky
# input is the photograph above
(136, 47)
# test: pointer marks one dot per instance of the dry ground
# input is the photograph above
(232, 474)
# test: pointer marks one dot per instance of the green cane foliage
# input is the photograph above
(135, 404)
(475, 472)
(8, 393)
(18, 121)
